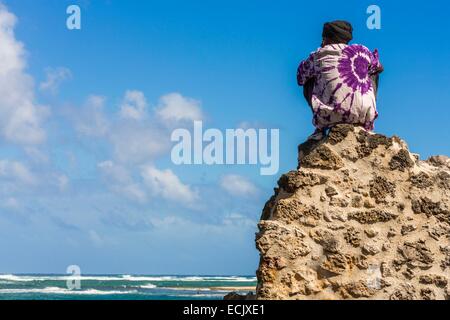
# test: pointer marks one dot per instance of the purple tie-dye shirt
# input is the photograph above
(343, 90)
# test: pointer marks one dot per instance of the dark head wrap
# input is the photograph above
(338, 31)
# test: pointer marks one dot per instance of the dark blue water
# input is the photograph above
(122, 287)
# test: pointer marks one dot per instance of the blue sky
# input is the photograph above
(80, 176)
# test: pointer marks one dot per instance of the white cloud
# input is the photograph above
(36, 155)
(62, 181)
(174, 108)
(132, 142)
(155, 183)
(237, 219)
(20, 118)
(134, 105)
(54, 78)
(138, 142)
(231, 222)
(16, 171)
(91, 120)
(121, 182)
(96, 239)
(11, 203)
(133, 192)
(238, 186)
(116, 172)
(166, 184)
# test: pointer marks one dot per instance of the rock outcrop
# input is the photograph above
(237, 296)
(361, 218)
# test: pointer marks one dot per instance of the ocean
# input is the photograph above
(122, 287)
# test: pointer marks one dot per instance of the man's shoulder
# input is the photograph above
(315, 52)
(359, 47)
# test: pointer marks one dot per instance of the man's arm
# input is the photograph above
(375, 69)
(306, 74)
(306, 70)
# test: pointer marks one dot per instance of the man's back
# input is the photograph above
(343, 90)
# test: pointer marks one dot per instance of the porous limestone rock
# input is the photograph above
(360, 218)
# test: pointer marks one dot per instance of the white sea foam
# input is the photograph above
(11, 278)
(57, 290)
(189, 278)
(20, 278)
(14, 278)
(194, 289)
(148, 286)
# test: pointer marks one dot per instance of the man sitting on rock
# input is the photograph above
(340, 81)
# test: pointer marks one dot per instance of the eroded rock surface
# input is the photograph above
(361, 218)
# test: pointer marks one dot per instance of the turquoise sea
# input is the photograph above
(121, 287)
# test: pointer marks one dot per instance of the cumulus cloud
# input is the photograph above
(16, 171)
(62, 181)
(20, 117)
(36, 155)
(138, 143)
(232, 221)
(134, 105)
(153, 183)
(238, 186)
(54, 78)
(116, 172)
(91, 120)
(174, 108)
(166, 184)
(132, 142)
(96, 239)
(134, 192)
(11, 203)
(237, 219)
(121, 182)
